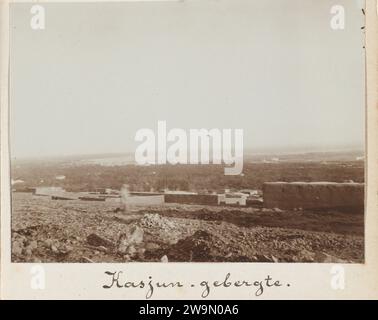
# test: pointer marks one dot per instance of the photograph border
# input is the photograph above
(300, 280)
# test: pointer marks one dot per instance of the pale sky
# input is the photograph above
(99, 72)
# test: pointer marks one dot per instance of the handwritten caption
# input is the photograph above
(119, 280)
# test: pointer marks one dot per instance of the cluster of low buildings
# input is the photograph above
(229, 197)
(282, 195)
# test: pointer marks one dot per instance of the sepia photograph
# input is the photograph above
(227, 131)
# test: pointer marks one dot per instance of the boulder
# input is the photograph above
(152, 246)
(17, 248)
(136, 235)
(306, 256)
(127, 241)
(33, 245)
(97, 241)
(327, 258)
(131, 250)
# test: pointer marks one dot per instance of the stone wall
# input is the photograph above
(206, 199)
(314, 195)
(145, 200)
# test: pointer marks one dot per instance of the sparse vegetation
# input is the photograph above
(183, 177)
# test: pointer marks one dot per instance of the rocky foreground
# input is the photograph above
(45, 230)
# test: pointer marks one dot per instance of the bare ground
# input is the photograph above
(45, 230)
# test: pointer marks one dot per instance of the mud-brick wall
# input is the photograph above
(315, 195)
(206, 199)
(145, 200)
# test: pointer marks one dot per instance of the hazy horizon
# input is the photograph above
(247, 153)
(99, 72)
